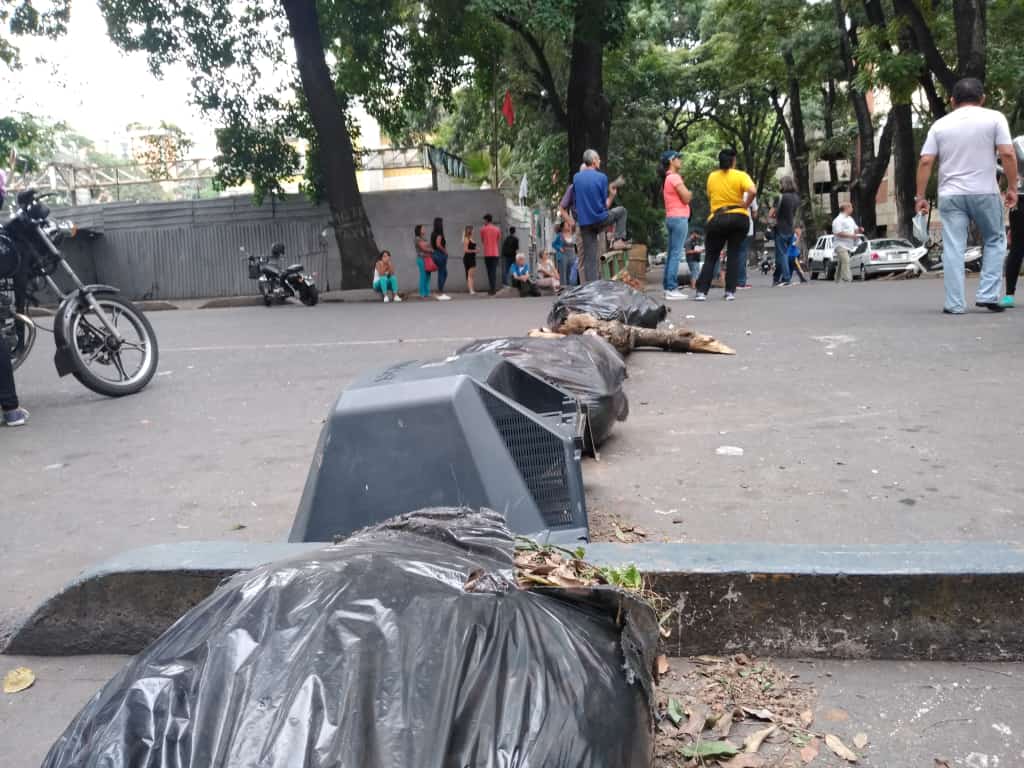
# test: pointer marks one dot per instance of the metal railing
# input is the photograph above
(116, 182)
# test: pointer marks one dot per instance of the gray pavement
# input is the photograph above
(864, 414)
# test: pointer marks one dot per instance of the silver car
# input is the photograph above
(886, 256)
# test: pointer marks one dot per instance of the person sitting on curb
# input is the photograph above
(519, 276)
(547, 273)
(384, 279)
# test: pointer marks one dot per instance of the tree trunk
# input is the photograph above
(905, 167)
(971, 37)
(800, 152)
(829, 99)
(924, 41)
(871, 164)
(587, 107)
(352, 229)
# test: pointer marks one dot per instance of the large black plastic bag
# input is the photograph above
(585, 366)
(371, 653)
(608, 300)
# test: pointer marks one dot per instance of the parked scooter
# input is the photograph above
(278, 284)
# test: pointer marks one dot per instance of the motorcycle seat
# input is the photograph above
(269, 270)
(294, 268)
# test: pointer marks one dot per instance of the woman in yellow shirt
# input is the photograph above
(730, 193)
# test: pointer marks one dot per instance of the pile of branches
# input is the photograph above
(626, 338)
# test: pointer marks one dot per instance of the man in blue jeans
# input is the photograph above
(966, 142)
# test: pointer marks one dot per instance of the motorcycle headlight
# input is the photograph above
(67, 228)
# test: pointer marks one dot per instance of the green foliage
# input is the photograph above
(36, 140)
(624, 577)
(23, 18)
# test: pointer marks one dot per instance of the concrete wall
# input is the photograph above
(190, 249)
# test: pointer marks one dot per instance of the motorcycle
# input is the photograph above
(278, 284)
(102, 340)
(767, 259)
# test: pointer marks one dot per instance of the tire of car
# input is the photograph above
(814, 275)
(863, 273)
(830, 272)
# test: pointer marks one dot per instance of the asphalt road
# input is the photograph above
(864, 415)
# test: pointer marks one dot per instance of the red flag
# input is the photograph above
(507, 109)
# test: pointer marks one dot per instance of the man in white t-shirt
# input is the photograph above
(966, 143)
(844, 241)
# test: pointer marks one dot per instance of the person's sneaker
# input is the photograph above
(443, 297)
(1006, 302)
(991, 306)
(398, 299)
(700, 297)
(15, 418)
(730, 297)
(785, 285)
(744, 287)
(675, 295)
(386, 299)
(948, 311)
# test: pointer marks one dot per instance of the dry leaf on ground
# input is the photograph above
(698, 717)
(723, 725)
(806, 718)
(860, 740)
(760, 714)
(663, 666)
(17, 680)
(745, 761)
(836, 745)
(756, 739)
(837, 715)
(810, 752)
(941, 763)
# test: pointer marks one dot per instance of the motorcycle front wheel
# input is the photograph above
(101, 362)
(309, 295)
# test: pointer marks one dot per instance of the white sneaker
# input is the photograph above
(730, 297)
(397, 299)
(386, 298)
(675, 295)
(700, 297)
(443, 297)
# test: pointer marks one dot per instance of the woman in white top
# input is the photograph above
(547, 273)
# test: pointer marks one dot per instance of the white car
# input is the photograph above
(821, 258)
(886, 256)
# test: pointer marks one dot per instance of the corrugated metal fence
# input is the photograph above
(190, 249)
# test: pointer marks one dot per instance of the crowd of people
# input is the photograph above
(966, 143)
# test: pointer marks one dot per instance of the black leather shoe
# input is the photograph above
(991, 306)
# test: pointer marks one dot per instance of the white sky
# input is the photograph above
(88, 83)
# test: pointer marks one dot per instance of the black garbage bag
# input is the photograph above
(608, 300)
(372, 653)
(588, 367)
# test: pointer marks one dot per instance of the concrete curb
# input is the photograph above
(960, 602)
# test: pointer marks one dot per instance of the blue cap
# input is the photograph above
(668, 156)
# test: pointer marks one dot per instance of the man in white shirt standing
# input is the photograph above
(844, 241)
(966, 143)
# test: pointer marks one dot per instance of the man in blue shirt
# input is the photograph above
(519, 276)
(590, 196)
